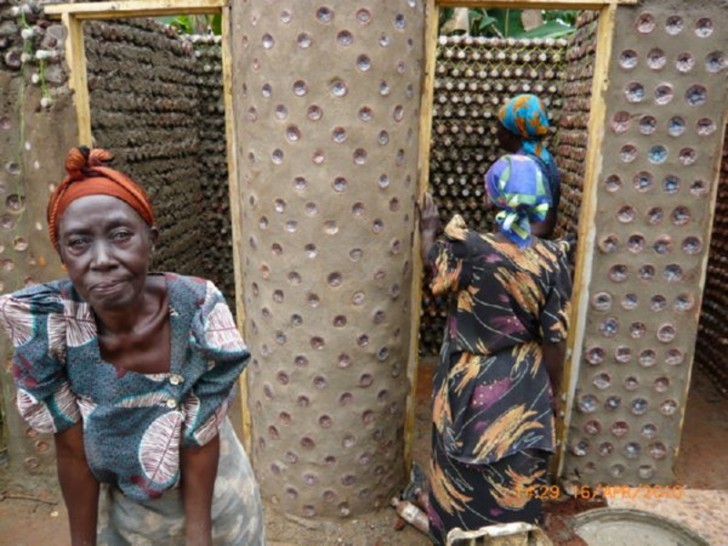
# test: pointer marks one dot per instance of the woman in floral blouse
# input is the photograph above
(500, 362)
(133, 373)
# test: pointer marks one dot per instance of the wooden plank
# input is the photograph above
(136, 8)
(423, 171)
(531, 4)
(235, 216)
(587, 225)
(77, 80)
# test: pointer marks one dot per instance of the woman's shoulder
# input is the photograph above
(189, 287)
(555, 250)
(22, 307)
(41, 292)
(457, 230)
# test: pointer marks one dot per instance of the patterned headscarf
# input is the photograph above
(515, 184)
(88, 176)
(525, 116)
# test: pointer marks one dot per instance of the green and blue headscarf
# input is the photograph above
(516, 185)
(525, 116)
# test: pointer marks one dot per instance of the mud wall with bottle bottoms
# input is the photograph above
(327, 102)
(156, 102)
(712, 347)
(665, 106)
(37, 121)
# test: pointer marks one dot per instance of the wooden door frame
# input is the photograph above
(73, 16)
(586, 230)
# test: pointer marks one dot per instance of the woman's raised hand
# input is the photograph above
(429, 216)
(429, 223)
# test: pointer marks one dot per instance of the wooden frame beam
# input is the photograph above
(423, 171)
(587, 228)
(77, 79)
(136, 8)
(235, 209)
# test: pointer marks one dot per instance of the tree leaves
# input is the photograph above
(508, 23)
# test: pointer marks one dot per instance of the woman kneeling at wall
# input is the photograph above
(500, 363)
(133, 373)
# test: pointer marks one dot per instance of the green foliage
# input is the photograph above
(195, 24)
(507, 23)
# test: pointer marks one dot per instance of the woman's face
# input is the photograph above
(106, 247)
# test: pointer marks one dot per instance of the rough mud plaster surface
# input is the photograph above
(327, 102)
(711, 354)
(665, 103)
(156, 102)
(32, 143)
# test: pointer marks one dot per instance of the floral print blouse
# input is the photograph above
(492, 396)
(134, 424)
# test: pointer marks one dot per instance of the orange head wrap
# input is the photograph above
(88, 176)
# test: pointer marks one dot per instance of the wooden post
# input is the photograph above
(587, 227)
(232, 165)
(423, 171)
(77, 81)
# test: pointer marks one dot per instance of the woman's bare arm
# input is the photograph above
(79, 486)
(199, 470)
(554, 355)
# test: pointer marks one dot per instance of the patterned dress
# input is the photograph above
(135, 424)
(493, 425)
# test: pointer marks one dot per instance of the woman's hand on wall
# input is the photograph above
(554, 355)
(429, 223)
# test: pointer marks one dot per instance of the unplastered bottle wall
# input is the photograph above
(215, 221)
(570, 141)
(156, 102)
(474, 77)
(327, 101)
(712, 343)
(655, 184)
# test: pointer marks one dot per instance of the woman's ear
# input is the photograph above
(153, 237)
(60, 256)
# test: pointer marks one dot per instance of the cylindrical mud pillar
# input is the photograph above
(326, 100)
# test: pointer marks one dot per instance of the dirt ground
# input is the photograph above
(32, 517)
